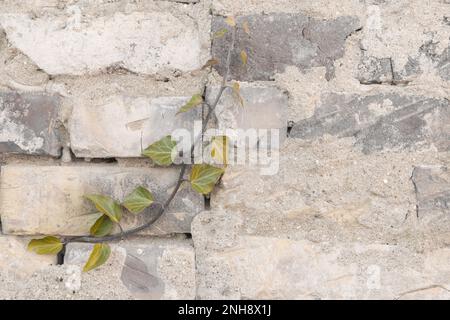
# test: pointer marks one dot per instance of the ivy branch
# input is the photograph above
(203, 177)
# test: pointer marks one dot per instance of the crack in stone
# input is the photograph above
(436, 286)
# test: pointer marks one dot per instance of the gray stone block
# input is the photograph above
(152, 269)
(382, 121)
(443, 65)
(432, 186)
(29, 124)
(375, 71)
(281, 39)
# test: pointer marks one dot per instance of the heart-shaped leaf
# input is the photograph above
(244, 57)
(102, 227)
(161, 151)
(107, 205)
(196, 100)
(246, 27)
(138, 200)
(220, 33)
(237, 93)
(219, 149)
(230, 21)
(47, 245)
(99, 256)
(204, 177)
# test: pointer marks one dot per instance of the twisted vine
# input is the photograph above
(112, 210)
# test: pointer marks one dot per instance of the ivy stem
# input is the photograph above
(125, 233)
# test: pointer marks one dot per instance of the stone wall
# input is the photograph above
(359, 89)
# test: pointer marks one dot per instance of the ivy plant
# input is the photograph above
(203, 177)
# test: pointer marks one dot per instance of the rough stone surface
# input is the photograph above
(443, 64)
(380, 121)
(329, 191)
(142, 42)
(427, 59)
(68, 282)
(60, 208)
(354, 204)
(264, 108)
(29, 124)
(417, 44)
(432, 186)
(332, 223)
(280, 40)
(17, 262)
(135, 122)
(151, 269)
(234, 265)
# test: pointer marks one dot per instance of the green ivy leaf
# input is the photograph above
(237, 93)
(230, 21)
(138, 200)
(47, 245)
(204, 177)
(161, 151)
(102, 227)
(246, 27)
(99, 256)
(219, 149)
(107, 205)
(244, 57)
(196, 100)
(220, 33)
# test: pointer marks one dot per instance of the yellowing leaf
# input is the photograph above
(219, 149)
(220, 33)
(244, 57)
(99, 256)
(204, 177)
(237, 93)
(138, 200)
(161, 151)
(102, 227)
(106, 205)
(47, 245)
(230, 21)
(210, 63)
(196, 100)
(246, 28)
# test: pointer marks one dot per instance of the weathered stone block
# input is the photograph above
(50, 199)
(151, 268)
(231, 264)
(428, 52)
(29, 124)
(17, 262)
(413, 43)
(136, 122)
(264, 108)
(142, 42)
(443, 64)
(432, 186)
(280, 40)
(382, 121)
(375, 71)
